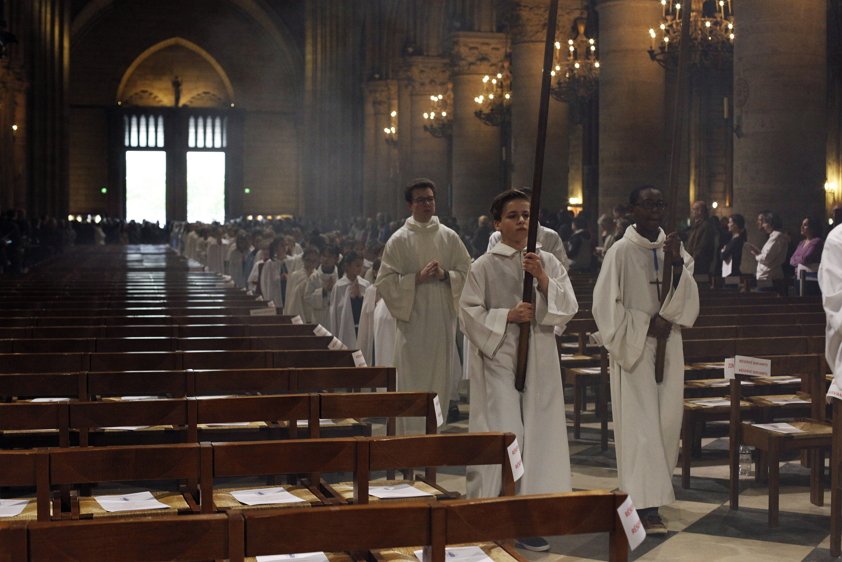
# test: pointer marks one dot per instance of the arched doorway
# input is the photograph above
(176, 149)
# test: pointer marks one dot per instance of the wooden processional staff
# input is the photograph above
(680, 110)
(537, 180)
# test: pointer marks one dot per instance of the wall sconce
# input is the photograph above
(390, 133)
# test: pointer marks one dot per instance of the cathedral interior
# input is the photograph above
(326, 108)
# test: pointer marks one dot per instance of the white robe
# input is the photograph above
(376, 338)
(830, 282)
(215, 256)
(235, 268)
(317, 299)
(536, 416)
(341, 313)
(772, 256)
(647, 416)
(270, 282)
(294, 301)
(425, 314)
(548, 240)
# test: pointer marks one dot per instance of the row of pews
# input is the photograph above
(128, 370)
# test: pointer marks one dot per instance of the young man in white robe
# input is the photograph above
(421, 276)
(491, 312)
(346, 302)
(294, 302)
(273, 274)
(320, 287)
(628, 312)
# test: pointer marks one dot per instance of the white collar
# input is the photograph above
(635, 238)
(430, 225)
(502, 249)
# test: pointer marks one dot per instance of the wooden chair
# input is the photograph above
(22, 424)
(115, 422)
(355, 528)
(390, 405)
(13, 546)
(432, 451)
(470, 521)
(356, 378)
(156, 539)
(94, 465)
(213, 382)
(28, 469)
(274, 458)
(265, 414)
(815, 436)
(165, 384)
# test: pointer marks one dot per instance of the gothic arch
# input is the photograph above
(121, 93)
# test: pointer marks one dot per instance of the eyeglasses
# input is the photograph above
(424, 200)
(650, 204)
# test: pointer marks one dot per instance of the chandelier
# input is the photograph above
(493, 104)
(438, 121)
(576, 70)
(711, 32)
(390, 133)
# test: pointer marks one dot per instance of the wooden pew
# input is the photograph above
(43, 385)
(27, 421)
(94, 465)
(267, 413)
(28, 469)
(169, 416)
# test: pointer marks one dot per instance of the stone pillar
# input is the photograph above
(631, 102)
(528, 23)
(428, 76)
(476, 146)
(378, 191)
(780, 112)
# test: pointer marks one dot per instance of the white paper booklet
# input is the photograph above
(460, 554)
(12, 508)
(129, 502)
(397, 491)
(300, 557)
(264, 496)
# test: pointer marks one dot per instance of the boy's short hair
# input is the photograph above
(330, 250)
(634, 196)
(499, 202)
(350, 258)
(418, 183)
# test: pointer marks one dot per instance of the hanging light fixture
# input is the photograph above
(711, 32)
(438, 120)
(494, 103)
(576, 65)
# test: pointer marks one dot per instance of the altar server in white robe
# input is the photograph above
(376, 338)
(320, 286)
(274, 269)
(830, 282)
(294, 302)
(491, 311)
(421, 276)
(346, 302)
(629, 315)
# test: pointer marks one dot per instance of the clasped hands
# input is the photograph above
(430, 272)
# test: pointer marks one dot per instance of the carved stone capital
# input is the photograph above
(477, 53)
(380, 95)
(426, 75)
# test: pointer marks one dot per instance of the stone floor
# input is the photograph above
(701, 524)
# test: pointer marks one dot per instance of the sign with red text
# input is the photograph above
(631, 523)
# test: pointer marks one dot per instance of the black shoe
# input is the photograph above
(453, 414)
(654, 525)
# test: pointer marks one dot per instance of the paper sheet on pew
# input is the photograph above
(459, 554)
(12, 508)
(297, 319)
(778, 400)
(129, 502)
(227, 424)
(51, 399)
(632, 525)
(437, 409)
(300, 557)
(397, 491)
(833, 392)
(320, 330)
(125, 427)
(138, 398)
(590, 370)
(712, 403)
(359, 359)
(336, 344)
(265, 496)
(780, 427)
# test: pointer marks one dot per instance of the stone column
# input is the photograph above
(631, 101)
(428, 76)
(528, 23)
(378, 191)
(780, 111)
(476, 146)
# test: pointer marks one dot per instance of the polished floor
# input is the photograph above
(701, 525)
